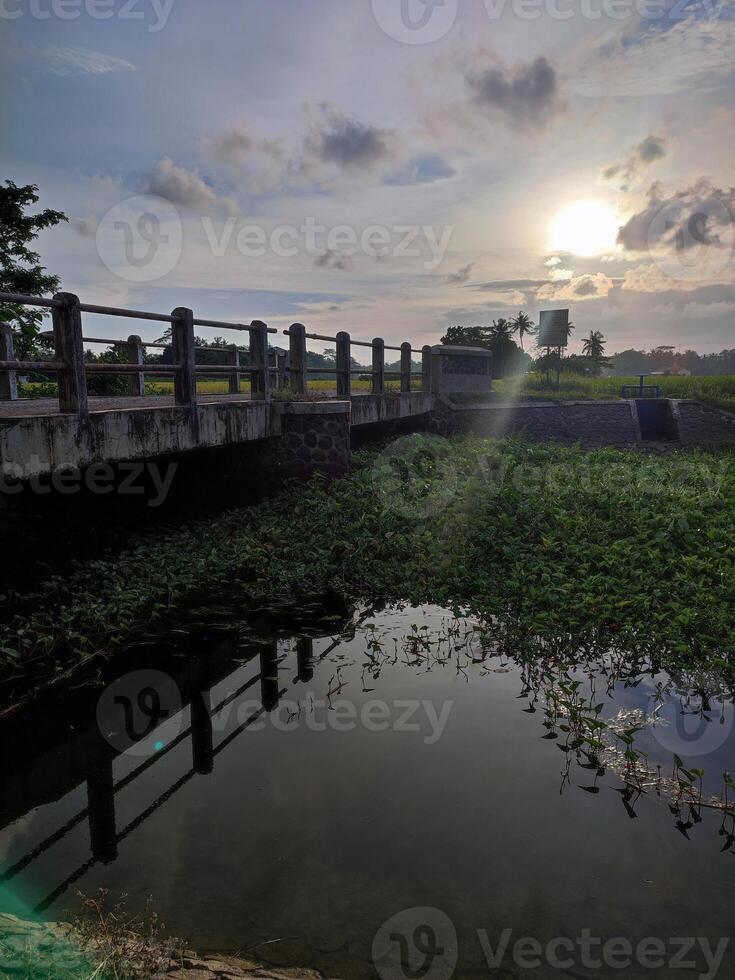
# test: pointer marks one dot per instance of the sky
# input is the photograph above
(386, 167)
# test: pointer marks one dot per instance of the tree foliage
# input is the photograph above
(20, 268)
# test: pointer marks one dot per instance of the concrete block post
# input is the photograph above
(234, 359)
(8, 379)
(260, 383)
(69, 348)
(136, 355)
(405, 368)
(344, 376)
(426, 368)
(297, 352)
(378, 366)
(182, 348)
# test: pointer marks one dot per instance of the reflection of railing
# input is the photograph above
(343, 369)
(102, 788)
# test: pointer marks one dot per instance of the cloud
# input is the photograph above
(504, 284)
(552, 261)
(461, 275)
(187, 189)
(80, 61)
(425, 169)
(588, 286)
(526, 94)
(348, 143)
(693, 54)
(624, 174)
(700, 215)
(231, 148)
(332, 260)
(560, 275)
(84, 226)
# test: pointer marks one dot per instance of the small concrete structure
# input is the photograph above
(460, 370)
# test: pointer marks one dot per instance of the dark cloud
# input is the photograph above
(232, 147)
(186, 188)
(332, 260)
(84, 226)
(348, 143)
(526, 94)
(422, 170)
(695, 216)
(652, 148)
(504, 284)
(461, 275)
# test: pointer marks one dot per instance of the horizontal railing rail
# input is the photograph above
(343, 369)
(73, 369)
(266, 367)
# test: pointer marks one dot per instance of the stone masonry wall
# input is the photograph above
(591, 424)
(315, 439)
(703, 425)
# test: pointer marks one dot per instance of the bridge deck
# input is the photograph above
(29, 407)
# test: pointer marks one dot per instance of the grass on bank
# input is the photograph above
(592, 546)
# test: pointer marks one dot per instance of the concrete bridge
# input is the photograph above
(75, 431)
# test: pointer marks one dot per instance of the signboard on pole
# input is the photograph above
(553, 328)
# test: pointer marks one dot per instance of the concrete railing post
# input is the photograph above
(234, 360)
(8, 379)
(426, 369)
(344, 376)
(297, 351)
(182, 349)
(136, 355)
(405, 368)
(378, 366)
(260, 376)
(202, 738)
(282, 365)
(69, 348)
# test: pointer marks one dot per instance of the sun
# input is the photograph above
(584, 228)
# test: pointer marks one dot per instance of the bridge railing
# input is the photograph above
(343, 369)
(72, 370)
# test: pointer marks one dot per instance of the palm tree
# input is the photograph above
(499, 337)
(594, 345)
(523, 325)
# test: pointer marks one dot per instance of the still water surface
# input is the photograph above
(307, 785)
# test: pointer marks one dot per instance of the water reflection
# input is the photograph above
(406, 756)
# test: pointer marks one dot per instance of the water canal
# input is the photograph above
(294, 788)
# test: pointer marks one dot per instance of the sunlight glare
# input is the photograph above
(584, 228)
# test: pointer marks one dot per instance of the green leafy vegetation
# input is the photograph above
(605, 547)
